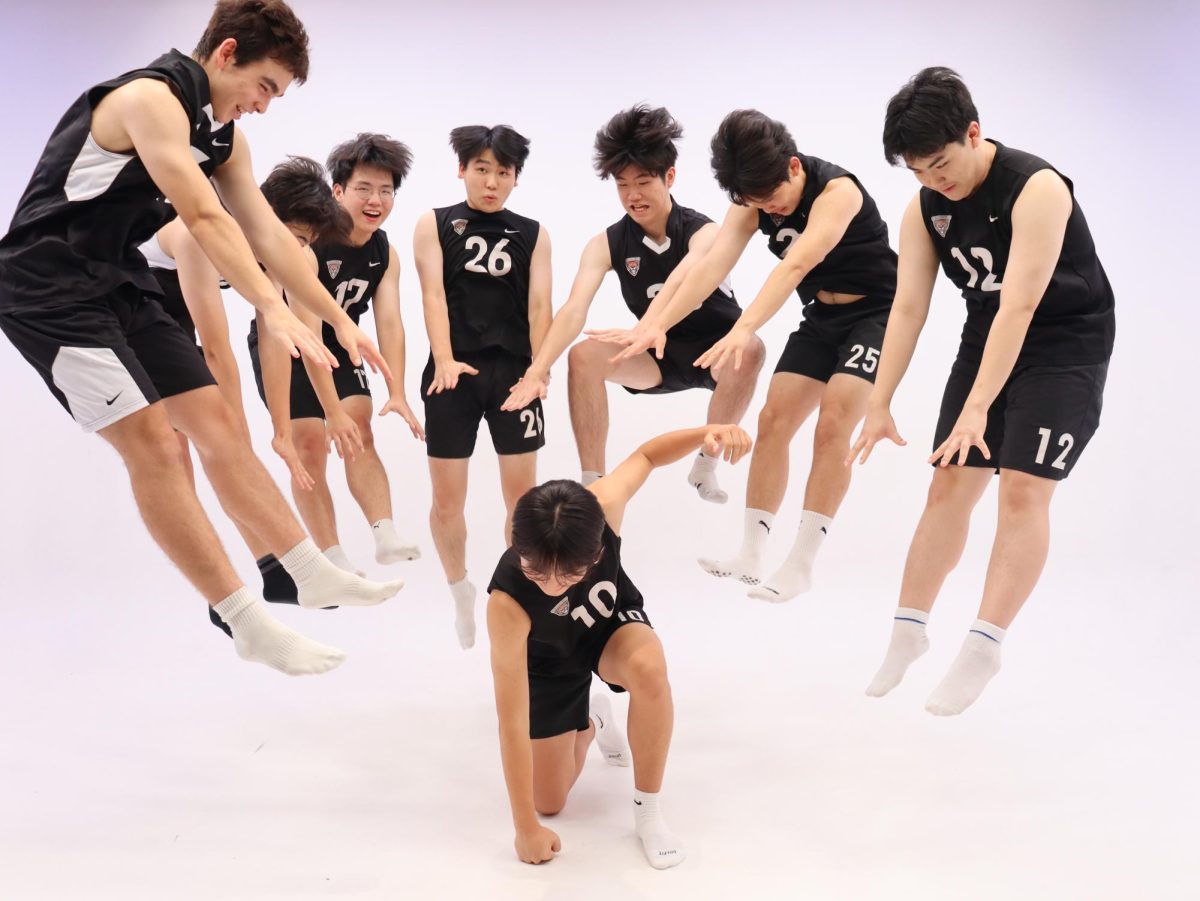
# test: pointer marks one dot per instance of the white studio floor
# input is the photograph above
(141, 759)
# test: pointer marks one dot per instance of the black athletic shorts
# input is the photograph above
(559, 689)
(835, 338)
(107, 357)
(1040, 422)
(348, 380)
(452, 417)
(678, 373)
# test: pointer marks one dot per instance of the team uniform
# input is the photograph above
(351, 275)
(835, 338)
(567, 634)
(1049, 408)
(643, 267)
(77, 299)
(166, 273)
(485, 270)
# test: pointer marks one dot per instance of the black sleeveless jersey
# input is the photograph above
(561, 626)
(79, 223)
(862, 262)
(1074, 322)
(642, 267)
(485, 269)
(351, 275)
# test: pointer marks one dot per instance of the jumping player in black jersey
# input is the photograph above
(833, 246)
(485, 281)
(80, 303)
(191, 295)
(1024, 395)
(654, 245)
(336, 407)
(562, 608)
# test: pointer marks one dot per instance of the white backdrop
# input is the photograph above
(129, 748)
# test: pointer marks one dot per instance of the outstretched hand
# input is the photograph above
(730, 442)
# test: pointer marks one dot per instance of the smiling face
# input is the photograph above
(239, 89)
(786, 196)
(368, 195)
(645, 197)
(957, 169)
(488, 182)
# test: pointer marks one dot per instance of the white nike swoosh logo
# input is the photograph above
(219, 144)
(992, 218)
(373, 265)
(511, 231)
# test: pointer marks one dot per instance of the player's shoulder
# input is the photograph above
(525, 223)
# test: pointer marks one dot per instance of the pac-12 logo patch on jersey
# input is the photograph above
(562, 608)
(334, 267)
(633, 265)
(459, 226)
(941, 224)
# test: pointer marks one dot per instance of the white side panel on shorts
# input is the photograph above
(94, 171)
(726, 287)
(98, 387)
(156, 256)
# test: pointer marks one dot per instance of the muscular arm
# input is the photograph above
(539, 291)
(832, 213)
(572, 316)
(389, 326)
(615, 489)
(200, 284)
(508, 633)
(427, 252)
(1039, 221)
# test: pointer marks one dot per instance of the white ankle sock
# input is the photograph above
(703, 478)
(746, 566)
(970, 672)
(336, 554)
(909, 642)
(259, 637)
(795, 575)
(389, 546)
(589, 476)
(663, 848)
(609, 737)
(464, 612)
(320, 583)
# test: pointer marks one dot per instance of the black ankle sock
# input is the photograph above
(278, 587)
(218, 622)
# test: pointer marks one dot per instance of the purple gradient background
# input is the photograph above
(1084, 746)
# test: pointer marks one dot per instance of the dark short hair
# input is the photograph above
(298, 193)
(639, 136)
(509, 146)
(263, 29)
(367, 149)
(751, 153)
(558, 528)
(934, 109)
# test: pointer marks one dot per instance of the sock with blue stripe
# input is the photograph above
(970, 672)
(909, 642)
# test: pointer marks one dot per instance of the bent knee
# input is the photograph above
(647, 675)
(549, 802)
(588, 357)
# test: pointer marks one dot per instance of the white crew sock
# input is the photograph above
(970, 672)
(609, 737)
(703, 478)
(589, 476)
(389, 546)
(259, 637)
(336, 554)
(319, 583)
(909, 642)
(795, 575)
(663, 848)
(747, 565)
(464, 612)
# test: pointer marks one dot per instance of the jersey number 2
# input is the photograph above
(498, 262)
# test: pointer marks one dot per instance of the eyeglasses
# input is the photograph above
(366, 191)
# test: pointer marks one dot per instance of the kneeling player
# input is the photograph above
(654, 245)
(1023, 398)
(485, 280)
(561, 609)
